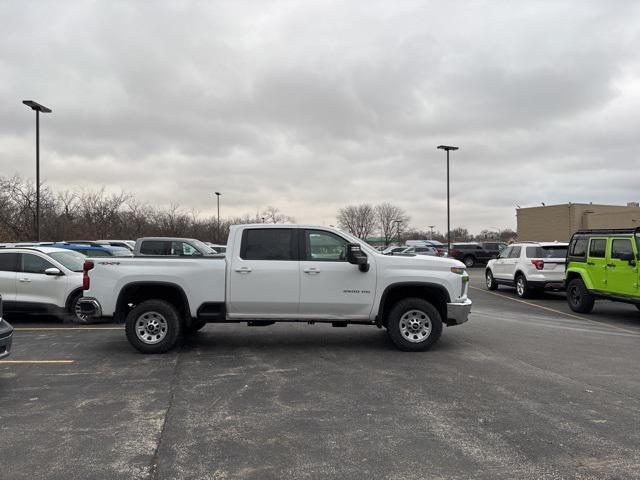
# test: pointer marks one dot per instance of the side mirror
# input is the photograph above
(356, 256)
(53, 271)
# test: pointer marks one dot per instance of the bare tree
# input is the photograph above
(359, 220)
(274, 215)
(388, 217)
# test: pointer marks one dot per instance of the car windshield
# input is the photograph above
(551, 251)
(203, 247)
(70, 260)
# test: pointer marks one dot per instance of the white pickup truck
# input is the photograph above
(279, 273)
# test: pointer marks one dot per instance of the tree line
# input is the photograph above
(92, 215)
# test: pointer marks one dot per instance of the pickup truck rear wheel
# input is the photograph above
(153, 326)
(414, 325)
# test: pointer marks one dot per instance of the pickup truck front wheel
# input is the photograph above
(414, 325)
(153, 326)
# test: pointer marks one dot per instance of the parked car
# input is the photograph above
(528, 267)
(171, 247)
(6, 335)
(494, 247)
(470, 253)
(603, 264)
(41, 280)
(395, 250)
(441, 248)
(128, 244)
(93, 249)
(280, 273)
(422, 250)
(216, 247)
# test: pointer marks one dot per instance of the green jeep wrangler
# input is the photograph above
(603, 264)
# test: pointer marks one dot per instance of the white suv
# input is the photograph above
(41, 280)
(529, 266)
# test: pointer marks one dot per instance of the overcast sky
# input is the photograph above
(313, 105)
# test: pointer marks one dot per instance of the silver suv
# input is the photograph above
(529, 266)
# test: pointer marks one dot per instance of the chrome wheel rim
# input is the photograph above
(489, 279)
(415, 326)
(151, 327)
(78, 313)
(520, 286)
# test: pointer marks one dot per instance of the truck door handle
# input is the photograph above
(243, 270)
(612, 265)
(24, 280)
(590, 264)
(311, 271)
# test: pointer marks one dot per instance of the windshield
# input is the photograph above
(203, 247)
(552, 251)
(70, 260)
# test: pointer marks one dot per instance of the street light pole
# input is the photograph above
(38, 108)
(218, 226)
(431, 227)
(448, 148)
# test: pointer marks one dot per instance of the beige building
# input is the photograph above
(559, 222)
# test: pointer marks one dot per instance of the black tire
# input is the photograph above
(638, 307)
(194, 326)
(73, 315)
(522, 286)
(469, 261)
(156, 321)
(400, 330)
(490, 281)
(578, 296)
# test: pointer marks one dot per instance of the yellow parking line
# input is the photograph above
(584, 319)
(46, 329)
(36, 362)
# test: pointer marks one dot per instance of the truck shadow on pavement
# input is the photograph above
(348, 340)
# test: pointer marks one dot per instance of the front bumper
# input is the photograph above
(458, 313)
(90, 307)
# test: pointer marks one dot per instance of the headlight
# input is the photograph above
(458, 270)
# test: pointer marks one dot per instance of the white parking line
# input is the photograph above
(36, 362)
(559, 312)
(48, 329)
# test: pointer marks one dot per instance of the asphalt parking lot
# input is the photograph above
(523, 390)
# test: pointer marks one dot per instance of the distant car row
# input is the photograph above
(469, 253)
(155, 246)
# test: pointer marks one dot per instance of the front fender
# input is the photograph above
(582, 273)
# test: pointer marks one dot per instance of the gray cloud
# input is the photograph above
(313, 105)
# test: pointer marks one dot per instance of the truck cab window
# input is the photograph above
(268, 244)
